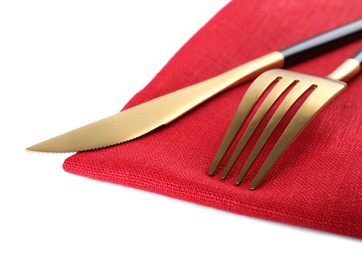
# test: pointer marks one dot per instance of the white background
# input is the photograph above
(67, 63)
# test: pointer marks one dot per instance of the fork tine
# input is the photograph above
(251, 96)
(283, 108)
(281, 86)
(315, 102)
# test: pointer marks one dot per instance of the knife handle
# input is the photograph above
(322, 43)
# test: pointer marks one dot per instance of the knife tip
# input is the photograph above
(32, 149)
(39, 148)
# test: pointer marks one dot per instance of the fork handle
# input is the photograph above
(322, 43)
(358, 56)
(348, 69)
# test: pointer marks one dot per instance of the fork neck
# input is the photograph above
(348, 69)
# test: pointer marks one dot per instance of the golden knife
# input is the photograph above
(139, 120)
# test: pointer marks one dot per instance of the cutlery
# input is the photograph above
(139, 120)
(293, 85)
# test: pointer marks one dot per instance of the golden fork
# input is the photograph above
(293, 85)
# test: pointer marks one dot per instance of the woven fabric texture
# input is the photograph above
(316, 184)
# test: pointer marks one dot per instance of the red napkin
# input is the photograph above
(317, 183)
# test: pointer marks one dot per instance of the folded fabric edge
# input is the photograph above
(200, 194)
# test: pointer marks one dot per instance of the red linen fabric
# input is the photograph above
(318, 181)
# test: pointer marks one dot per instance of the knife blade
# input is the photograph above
(139, 120)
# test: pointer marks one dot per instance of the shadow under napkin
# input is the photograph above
(316, 184)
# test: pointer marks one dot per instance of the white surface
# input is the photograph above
(67, 63)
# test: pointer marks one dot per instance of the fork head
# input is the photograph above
(288, 87)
